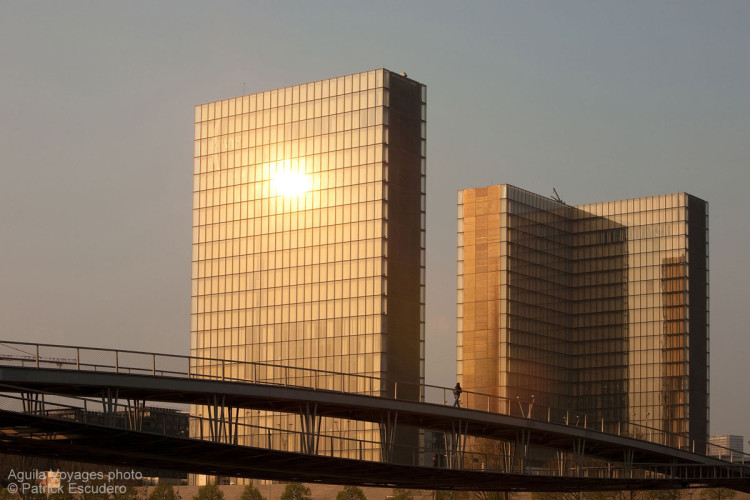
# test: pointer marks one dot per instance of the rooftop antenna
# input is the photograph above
(556, 196)
(243, 88)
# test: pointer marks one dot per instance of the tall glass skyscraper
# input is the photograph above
(600, 309)
(309, 235)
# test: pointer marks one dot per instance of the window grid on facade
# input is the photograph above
(330, 278)
(597, 308)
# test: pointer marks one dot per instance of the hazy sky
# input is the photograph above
(601, 100)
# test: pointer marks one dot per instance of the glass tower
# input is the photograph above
(601, 309)
(309, 237)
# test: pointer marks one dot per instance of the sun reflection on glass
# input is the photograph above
(289, 182)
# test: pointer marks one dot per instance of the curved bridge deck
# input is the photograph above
(335, 404)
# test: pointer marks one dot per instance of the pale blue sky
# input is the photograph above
(602, 100)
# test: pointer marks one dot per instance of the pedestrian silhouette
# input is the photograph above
(457, 394)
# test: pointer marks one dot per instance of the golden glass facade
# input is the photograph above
(600, 309)
(309, 233)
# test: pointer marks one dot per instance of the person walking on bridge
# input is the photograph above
(457, 394)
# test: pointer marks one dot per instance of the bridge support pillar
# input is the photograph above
(521, 449)
(627, 462)
(310, 424)
(136, 410)
(579, 446)
(675, 469)
(110, 399)
(33, 403)
(455, 444)
(222, 421)
(560, 462)
(388, 423)
(506, 460)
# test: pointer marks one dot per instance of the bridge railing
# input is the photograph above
(172, 365)
(484, 456)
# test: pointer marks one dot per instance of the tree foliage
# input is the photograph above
(402, 494)
(464, 495)
(7, 495)
(718, 494)
(351, 493)
(130, 494)
(251, 492)
(163, 491)
(631, 495)
(296, 491)
(483, 495)
(590, 495)
(554, 495)
(62, 493)
(615, 495)
(209, 492)
(665, 494)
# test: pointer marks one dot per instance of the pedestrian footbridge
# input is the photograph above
(88, 404)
